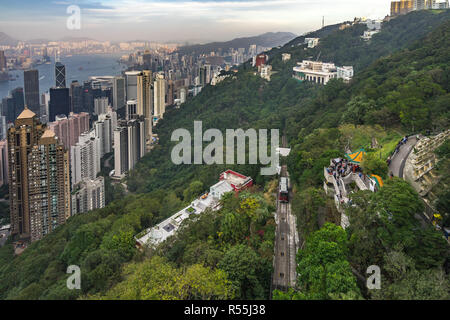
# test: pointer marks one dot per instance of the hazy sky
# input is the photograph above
(178, 20)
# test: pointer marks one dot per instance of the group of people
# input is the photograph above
(341, 168)
(401, 142)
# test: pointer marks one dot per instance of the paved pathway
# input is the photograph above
(399, 158)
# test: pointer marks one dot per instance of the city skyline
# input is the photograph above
(178, 20)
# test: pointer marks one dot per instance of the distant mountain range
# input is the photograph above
(6, 40)
(269, 39)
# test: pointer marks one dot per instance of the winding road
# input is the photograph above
(398, 160)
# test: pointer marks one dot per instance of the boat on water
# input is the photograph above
(80, 68)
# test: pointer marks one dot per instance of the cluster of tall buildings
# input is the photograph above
(400, 7)
(51, 144)
(52, 167)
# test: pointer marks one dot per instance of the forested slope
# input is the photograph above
(401, 86)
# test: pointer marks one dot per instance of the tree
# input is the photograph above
(380, 221)
(357, 108)
(242, 266)
(373, 164)
(323, 269)
(194, 190)
(156, 279)
(402, 281)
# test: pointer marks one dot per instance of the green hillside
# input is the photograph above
(401, 86)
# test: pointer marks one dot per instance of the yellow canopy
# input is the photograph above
(378, 180)
(356, 157)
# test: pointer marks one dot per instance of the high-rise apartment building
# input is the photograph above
(401, 7)
(60, 75)
(131, 109)
(68, 129)
(85, 157)
(105, 126)
(88, 195)
(104, 129)
(129, 144)
(100, 105)
(31, 86)
(120, 151)
(159, 94)
(145, 100)
(39, 178)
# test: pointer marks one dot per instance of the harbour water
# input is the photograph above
(78, 67)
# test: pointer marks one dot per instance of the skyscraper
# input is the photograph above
(59, 102)
(147, 59)
(145, 100)
(104, 128)
(76, 97)
(129, 144)
(31, 85)
(3, 162)
(120, 151)
(18, 104)
(100, 105)
(118, 93)
(85, 157)
(170, 92)
(131, 85)
(60, 75)
(159, 94)
(40, 179)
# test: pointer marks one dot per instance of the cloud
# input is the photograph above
(160, 19)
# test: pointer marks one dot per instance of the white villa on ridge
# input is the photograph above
(321, 72)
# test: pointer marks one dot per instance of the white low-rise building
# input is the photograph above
(369, 34)
(229, 181)
(285, 57)
(266, 72)
(312, 42)
(373, 24)
(345, 73)
(315, 71)
(321, 72)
